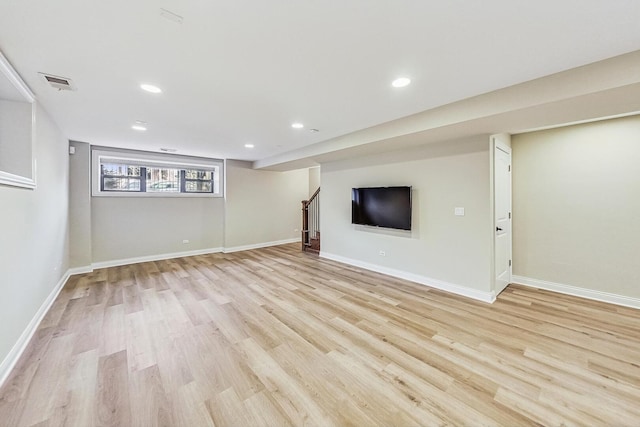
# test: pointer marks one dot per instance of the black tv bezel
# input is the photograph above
(353, 216)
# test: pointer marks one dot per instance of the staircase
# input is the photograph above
(311, 223)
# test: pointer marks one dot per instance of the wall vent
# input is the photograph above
(57, 82)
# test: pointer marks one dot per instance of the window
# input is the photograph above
(198, 181)
(120, 177)
(163, 180)
(127, 174)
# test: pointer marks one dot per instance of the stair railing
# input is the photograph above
(311, 223)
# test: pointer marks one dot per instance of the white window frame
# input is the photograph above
(154, 160)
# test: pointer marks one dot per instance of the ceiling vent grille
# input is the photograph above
(57, 82)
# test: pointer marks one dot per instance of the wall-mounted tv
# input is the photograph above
(388, 207)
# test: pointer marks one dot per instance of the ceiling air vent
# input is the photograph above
(57, 82)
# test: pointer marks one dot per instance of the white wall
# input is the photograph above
(33, 236)
(576, 206)
(262, 206)
(449, 251)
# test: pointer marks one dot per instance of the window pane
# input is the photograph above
(163, 180)
(119, 169)
(198, 174)
(198, 186)
(121, 184)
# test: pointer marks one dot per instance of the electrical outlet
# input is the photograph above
(185, 241)
(382, 253)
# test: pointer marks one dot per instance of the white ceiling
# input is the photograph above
(242, 71)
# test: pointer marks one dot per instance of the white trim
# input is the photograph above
(159, 194)
(260, 245)
(14, 78)
(148, 258)
(7, 178)
(80, 270)
(578, 292)
(12, 358)
(216, 166)
(160, 257)
(497, 142)
(465, 291)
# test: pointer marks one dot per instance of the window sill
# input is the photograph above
(156, 195)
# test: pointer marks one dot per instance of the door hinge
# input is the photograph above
(509, 263)
(509, 168)
(509, 215)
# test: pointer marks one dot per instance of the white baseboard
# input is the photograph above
(148, 258)
(12, 358)
(578, 292)
(433, 283)
(260, 245)
(80, 270)
(159, 257)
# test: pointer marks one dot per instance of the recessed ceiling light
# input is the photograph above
(139, 128)
(314, 130)
(249, 145)
(297, 125)
(401, 82)
(150, 88)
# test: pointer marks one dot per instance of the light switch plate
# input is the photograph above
(458, 211)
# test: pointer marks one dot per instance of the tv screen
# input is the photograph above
(388, 207)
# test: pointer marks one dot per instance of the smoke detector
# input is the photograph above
(57, 82)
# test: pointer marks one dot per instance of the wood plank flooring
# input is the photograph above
(276, 337)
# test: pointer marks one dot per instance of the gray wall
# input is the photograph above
(107, 229)
(80, 254)
(131, 227)
(441, 246)
(33, 235)
(314, 180)
(262, 206)
(15, 137)
(576, 206)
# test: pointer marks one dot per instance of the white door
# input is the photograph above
(502, 195)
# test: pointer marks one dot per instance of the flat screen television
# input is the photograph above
(388, 207)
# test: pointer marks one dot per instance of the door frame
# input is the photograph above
(503, 141)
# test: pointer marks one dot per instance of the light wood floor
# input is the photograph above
(277, 337)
